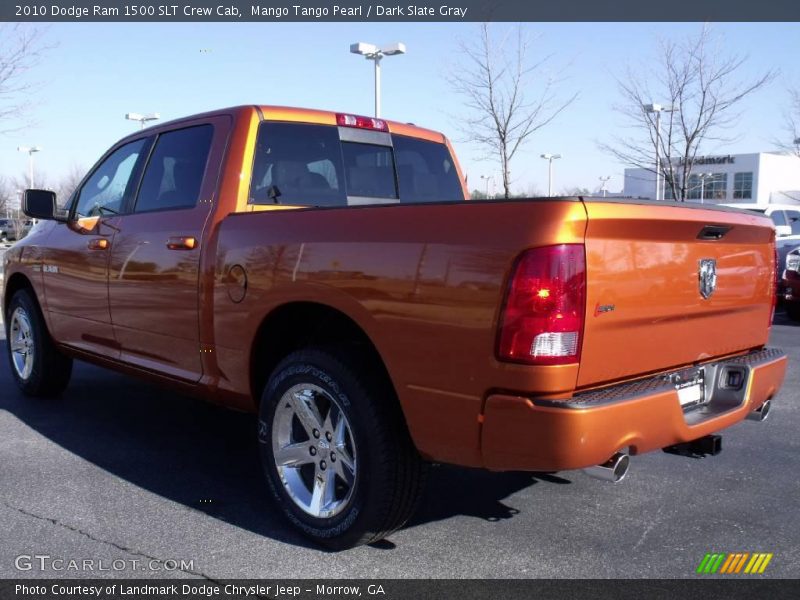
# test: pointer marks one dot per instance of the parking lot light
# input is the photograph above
(376, 54)
(657, 109)
(603, 182)
(132, 116)
(31, 150)
(550, 158)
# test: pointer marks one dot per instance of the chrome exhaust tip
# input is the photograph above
(761, 413)
(613, 470)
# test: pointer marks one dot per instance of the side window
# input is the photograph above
(793, 220)
(174, 174)
(298, 164)
(778, 218)
(105, 191)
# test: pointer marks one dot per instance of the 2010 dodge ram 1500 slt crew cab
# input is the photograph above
(324, 271)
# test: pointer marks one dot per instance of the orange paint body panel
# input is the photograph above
(643, 260)
(517, 434)
(182, 297)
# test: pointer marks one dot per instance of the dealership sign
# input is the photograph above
(708, 160)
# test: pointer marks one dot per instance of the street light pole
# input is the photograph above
(703, 177)
(376, 54)
(132, 116)
(603, 182)
(487, 178)
(30, 150)
(702, 187)
(550, 158)
(658, 109)
(378, 86)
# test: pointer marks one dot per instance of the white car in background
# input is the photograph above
(787, 225)
(11, 229)
(785, 216)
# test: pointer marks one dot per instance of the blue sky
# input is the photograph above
(98, 72)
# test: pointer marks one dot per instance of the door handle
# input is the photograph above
(98, 244)
(182, 243)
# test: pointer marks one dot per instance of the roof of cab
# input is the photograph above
(327, 117)
(298, 115)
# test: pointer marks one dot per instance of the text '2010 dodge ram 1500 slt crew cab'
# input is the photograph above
(326, 272)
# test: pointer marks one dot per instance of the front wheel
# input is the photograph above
(335, 450)
(38, 367)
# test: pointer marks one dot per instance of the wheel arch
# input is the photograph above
(15, 283)
(301, 324)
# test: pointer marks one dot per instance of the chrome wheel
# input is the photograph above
(314, 450)
(20, 337)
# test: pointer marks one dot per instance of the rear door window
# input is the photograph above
(175, 171)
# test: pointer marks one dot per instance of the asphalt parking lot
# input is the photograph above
(120, 471)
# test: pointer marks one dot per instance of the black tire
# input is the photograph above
(389, 474)
(51, 370)
(793, 310)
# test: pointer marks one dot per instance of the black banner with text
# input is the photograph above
(423, 10)
(393, 589)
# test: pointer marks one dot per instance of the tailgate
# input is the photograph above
(645, 309)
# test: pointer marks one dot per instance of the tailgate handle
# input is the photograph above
(713, 232)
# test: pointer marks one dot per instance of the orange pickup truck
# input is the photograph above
(325, 272)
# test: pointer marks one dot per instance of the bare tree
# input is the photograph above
(21, 49)
(700, 90)
(576, 191)
(6, 195)
(508, 95)
(793, 122)
(68, 183)
(16, 224)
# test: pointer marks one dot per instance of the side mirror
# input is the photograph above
(40, 204)
(783, 230)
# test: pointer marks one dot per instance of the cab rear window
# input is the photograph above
(308, 165)
(425, 171)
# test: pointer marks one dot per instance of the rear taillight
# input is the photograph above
(542, 319)
(344, 120)
(775, 284)
(793, 261)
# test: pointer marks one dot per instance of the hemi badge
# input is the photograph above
(599, 309)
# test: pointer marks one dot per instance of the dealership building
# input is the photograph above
(763, 178)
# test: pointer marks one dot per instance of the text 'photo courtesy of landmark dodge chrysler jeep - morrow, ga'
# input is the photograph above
(327, 272)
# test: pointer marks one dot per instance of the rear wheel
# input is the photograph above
(38, 367)
(335, 450)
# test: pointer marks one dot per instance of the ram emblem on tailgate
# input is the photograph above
(708, 276)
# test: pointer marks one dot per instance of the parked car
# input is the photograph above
(786, 218)
(791, 284)
(10, 229)
(324, 271)
(5, 227)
